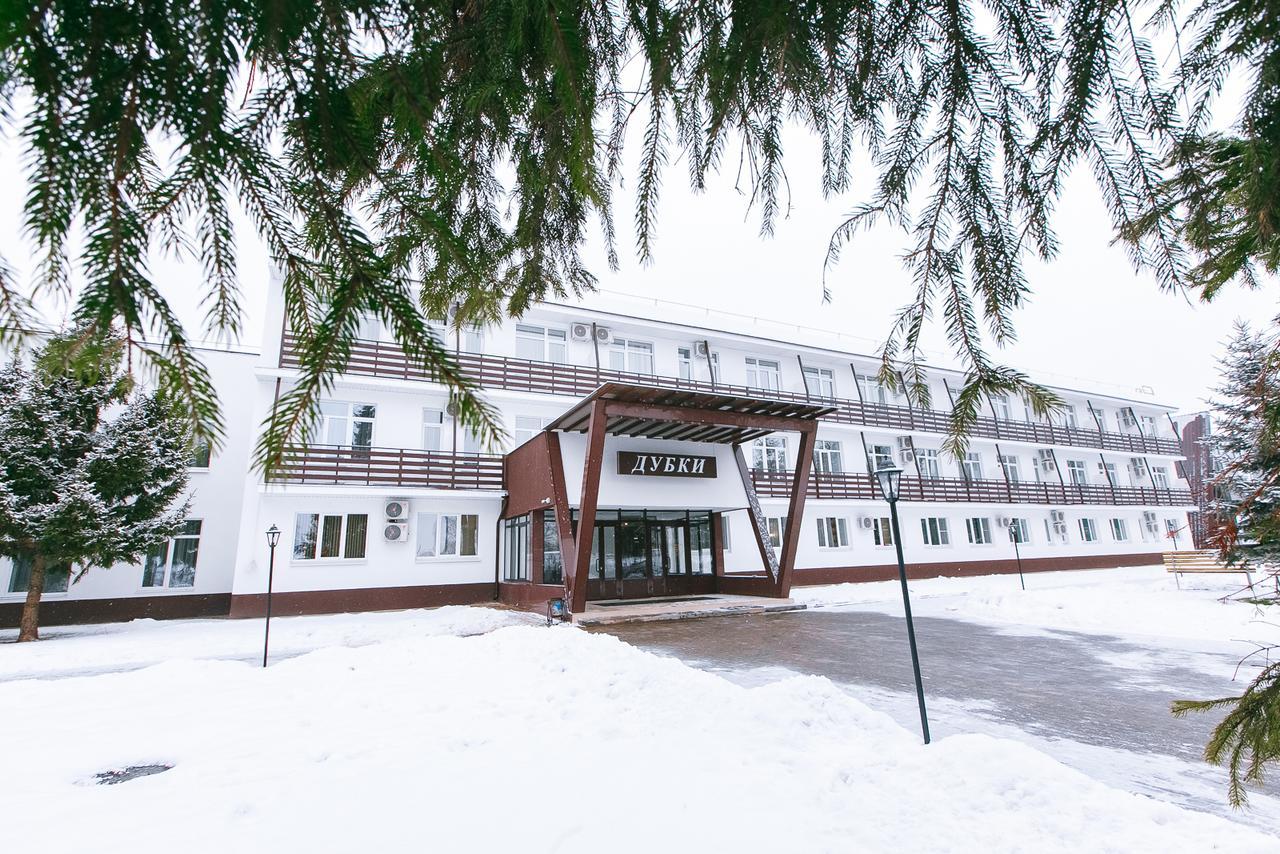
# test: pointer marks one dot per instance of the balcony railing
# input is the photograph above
(381, 359)
(332, 464)
(855, 486)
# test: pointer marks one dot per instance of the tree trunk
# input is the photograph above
(29, 628)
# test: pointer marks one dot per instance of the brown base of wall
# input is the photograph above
(882, 572)
(529, 597)
(361, 599)
(74, 611)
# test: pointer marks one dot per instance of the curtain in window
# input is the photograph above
(357, 536)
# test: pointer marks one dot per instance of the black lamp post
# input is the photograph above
(1015, 534)
(273, 538)
(890, 480)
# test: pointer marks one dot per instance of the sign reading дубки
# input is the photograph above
(666, 465)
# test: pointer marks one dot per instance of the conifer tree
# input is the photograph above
(91, 470)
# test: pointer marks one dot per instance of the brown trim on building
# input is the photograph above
(576, 581)
(66, 612)
(529, 597)
(297, 602)
(795, 509)
(958, 568)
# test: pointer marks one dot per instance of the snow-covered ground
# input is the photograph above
(394, 734)
(1140, 601)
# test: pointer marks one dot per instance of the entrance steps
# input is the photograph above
(680, 608)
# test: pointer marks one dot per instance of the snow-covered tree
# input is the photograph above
(91, 470)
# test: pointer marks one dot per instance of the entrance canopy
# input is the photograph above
(690, 416)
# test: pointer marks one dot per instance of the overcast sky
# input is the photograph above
(1092, 321)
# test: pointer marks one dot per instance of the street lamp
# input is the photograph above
(273, 538)
(1015, 534)
(890, 480)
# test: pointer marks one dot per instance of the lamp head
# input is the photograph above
(890, 479)
(273, 536)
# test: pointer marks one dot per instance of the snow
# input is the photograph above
(396, 734)
(1142, 602)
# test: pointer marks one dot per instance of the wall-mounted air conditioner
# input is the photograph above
(1127, 418)
(700, 347)
(906, 450)
(580, 331)
(604, 335)
(1044, 457)
(1138, 466)
(1003, 521)
(866, 523)
(1056, 516)
(396, 509)
(396, 532)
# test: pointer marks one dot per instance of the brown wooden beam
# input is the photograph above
(795, 509)
(591, 463)
(688, 415)
(564, 516)
(759, 523)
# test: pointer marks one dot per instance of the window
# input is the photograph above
(348, 425)
(826, 457)
(972, 465)
(1108, 472)
(470, 443)
(369, 328)
(1088, 530)
(1075, 468)
(447, 534)
(820, 381)
(927, 459)
(201, 453)
(330, 537)
(540, 343)
(833, 533)
(1000, 403)
(472, 339)
(769, 454)
(516, 559)
(882, 531)
(1069, 417)
(881, 457)
(1171, 527)
(1019, 531)
(1099, 417)
(726, 541)
(173, 562)
(56, 579)
(552, 562)
(684, 360)
(935, 531)
(979, 530)
(1012, 468)
(1120, 530)
(432, 422)
(528, 426)
(1161, 475)
(633, 356)
(873, 391)
(438, 328)
(764, 373)
(776, 525)
(1148, 425)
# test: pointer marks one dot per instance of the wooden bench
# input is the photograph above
(1201, 561)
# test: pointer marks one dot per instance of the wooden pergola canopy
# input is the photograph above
(690, 416)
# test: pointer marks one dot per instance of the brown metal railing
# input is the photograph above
(945, 489)
(335, 464)
(381, 359)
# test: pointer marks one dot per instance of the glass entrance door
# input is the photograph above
(637, 554)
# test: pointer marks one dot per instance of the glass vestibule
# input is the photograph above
(650, 553)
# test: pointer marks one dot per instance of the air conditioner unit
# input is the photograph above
(396, 532)
(1046, 460)
(866, 523)
(1138, 466)
(604, 335)
(700, 348)
(906, 450)
(580, 331)
(395, 509)
(1057, 517)
(1003, 521)
(1127, 418)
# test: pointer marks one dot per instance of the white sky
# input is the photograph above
(1092, 321)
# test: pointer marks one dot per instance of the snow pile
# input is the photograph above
(1142, 601)
(534, 739)
(80, 650)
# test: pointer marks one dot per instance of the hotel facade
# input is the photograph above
(701, 460)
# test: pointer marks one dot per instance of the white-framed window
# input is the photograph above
(471, 443)
(446, 534)
(56, 579)
(1161, 476)
(769, 453)
(1019, 531)
(827, 458)
(1068, 416)
(635, 357)
(1150, 527)
(1148, 424)
(1088, 531)
(1098, 416)
(1108, 472)
(881, 457)
(1120, 530)
(927, 459)
(979, 530)
(873, 391)
(1012, 468)
(684, 362)
(201, 455)
(330, 536)
(935, 531)
(438, 328)
(882, 531)
(764, 373)
(972, 464)
(541, 343)
(776, 526)
(821, 381)
(517, 557)
(347, 424)
(1004, 410)
(833, 532)
(472, 339)
(526, 427)
(1076, 472)
(432, 429)
(173, 562)
(369, 327)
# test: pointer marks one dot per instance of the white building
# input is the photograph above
(394, 506)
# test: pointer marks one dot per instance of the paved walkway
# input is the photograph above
(1098, 703)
